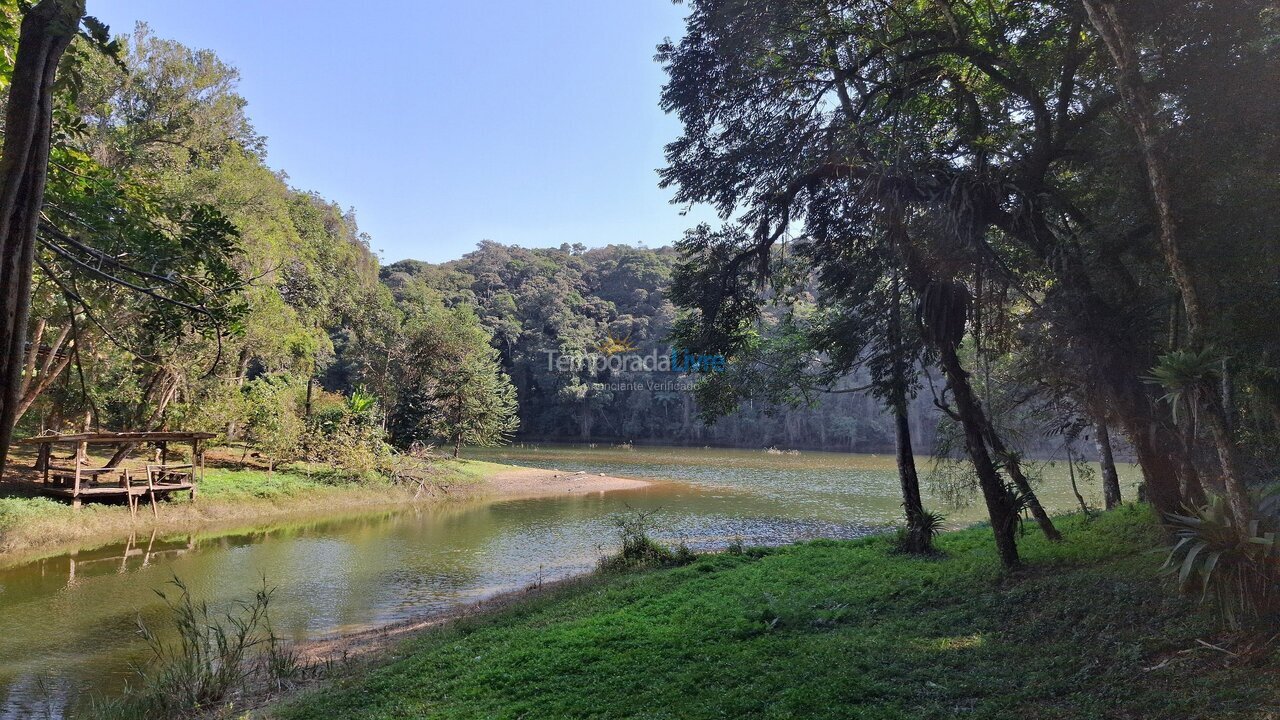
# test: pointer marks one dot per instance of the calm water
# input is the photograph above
(68, 623)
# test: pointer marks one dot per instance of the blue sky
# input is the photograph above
(446, 123)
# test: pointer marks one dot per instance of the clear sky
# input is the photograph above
(445, 123)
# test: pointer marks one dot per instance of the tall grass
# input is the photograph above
(638, 549)
(209, 658)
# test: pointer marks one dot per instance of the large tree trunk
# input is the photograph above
(1004, 516)
(1169, 478)
(1105, 17)
(1107, 460)
(46, 32)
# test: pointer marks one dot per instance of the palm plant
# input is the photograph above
(1188, 378)
(1239, 570)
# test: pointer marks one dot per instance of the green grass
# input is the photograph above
(473, 470)
(835, 630)
(246, 485)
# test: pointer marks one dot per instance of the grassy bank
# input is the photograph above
(836, 630)
(227, 498)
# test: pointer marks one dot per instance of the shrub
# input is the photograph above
(917, 537)
(639, 550)
(346, 434)
(274, 422)
(1240, 571)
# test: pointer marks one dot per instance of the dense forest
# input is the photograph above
(288, 313)
(573, 300)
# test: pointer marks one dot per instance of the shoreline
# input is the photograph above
(33, 528)
(763, 627)
(347, 654)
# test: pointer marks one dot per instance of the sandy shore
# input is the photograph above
(520, 482)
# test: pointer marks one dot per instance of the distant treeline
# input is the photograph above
(573, 301)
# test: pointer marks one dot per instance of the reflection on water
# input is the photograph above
(68, 623)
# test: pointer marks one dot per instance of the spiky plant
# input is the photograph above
(1188, 378)
(1239, 571)
(917, 538)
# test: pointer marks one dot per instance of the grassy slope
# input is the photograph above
(227, 497)
(835, 630)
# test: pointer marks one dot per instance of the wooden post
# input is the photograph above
(128, 497)
(42, 461)
(82, 453)
(197, 466)
(151, 493)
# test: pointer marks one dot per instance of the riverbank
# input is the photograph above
(832, 629)
(231, 498)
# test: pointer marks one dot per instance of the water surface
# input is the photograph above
(68, 623)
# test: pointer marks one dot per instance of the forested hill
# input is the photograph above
(268, 319)
(546, 304)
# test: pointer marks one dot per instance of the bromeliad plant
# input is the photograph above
(1240, 571)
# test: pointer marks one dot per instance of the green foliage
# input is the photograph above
(275, 421)
(345, 436)
(210, 658)
(862, 632)
(921, 531)
(453, 387)
(1188, 378)
(1238, 571)
(639, 551)
(361, 403)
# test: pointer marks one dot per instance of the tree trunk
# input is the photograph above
(1004, 517)
(1107, 460)
(46, 32)
(1010, 462)
(1105, 17)
(37, 379)
(919, 539)
(1224, 442)
(457, 446)
(311, 383)
(1075, 489)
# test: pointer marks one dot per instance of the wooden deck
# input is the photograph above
(80, 482)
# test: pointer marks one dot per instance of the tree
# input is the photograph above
(452, 385)
(823, 120)
(1107, 19)
(47, 31)
(474, 404)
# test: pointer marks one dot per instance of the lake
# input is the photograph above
(68, 623)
